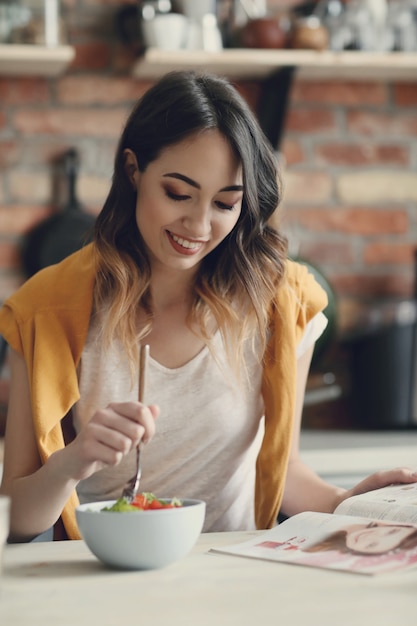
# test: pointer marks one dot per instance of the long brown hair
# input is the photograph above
(237, 281)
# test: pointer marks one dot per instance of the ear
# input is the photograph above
(131, 167)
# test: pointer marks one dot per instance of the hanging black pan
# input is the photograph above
(62, 233)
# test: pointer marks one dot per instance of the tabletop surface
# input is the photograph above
(62, 583)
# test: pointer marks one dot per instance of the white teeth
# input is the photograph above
(191, 245)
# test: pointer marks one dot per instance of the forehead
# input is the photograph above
(208, 151)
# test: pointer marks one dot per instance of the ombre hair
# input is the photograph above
(237, 281)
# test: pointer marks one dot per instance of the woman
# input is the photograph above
(184, 259)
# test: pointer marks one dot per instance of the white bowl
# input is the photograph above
(141, 540)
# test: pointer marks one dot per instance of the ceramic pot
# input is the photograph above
(264, 32)
(309, 34)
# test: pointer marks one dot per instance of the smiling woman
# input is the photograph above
(183, 218)
(185, 258)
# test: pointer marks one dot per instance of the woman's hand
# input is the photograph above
(39, 490)
(110, 434)
(380, 479)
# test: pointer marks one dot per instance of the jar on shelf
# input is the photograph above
(43, 24)
(309, 33)
(264, 32)
(12, 15)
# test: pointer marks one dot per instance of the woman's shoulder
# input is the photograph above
(299, 291)
(65, 284)
(299, 282)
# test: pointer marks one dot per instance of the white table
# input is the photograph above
(63, 584)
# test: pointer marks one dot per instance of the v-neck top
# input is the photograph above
(208, 433)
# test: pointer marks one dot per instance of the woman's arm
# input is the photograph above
(304, 489)
(39, 492)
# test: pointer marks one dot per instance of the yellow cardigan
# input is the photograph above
(47, 321)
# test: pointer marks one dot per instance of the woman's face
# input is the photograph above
(377, 539)
(188, 200)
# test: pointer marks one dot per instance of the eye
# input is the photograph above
(225, 207)
(174, 196)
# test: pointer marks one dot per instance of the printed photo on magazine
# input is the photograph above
(372, 533)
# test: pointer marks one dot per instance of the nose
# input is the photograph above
(197, 220)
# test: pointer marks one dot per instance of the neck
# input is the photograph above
(171, 289)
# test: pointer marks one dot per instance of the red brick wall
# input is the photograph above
(351, 183)
(350, 150)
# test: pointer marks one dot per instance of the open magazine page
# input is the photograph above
(395, 503)
(337, 542)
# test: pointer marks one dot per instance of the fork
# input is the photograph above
(132, 486)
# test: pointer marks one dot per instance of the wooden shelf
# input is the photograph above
(34, 60)
(254, 64)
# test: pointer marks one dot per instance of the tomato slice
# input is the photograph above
(146, 501)
(140, 501)
(158, 504)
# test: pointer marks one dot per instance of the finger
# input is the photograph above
(386, 477)
(115, 440)
(92, 453)
(155, 410)
(127, 409)
(140, 414)
(113, 422)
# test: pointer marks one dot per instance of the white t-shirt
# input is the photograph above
(208, 433)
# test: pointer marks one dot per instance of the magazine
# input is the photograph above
(371, 533)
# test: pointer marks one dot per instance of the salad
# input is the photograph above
(143, 502)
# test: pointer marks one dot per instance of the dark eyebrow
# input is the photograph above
(233, 188)
(193, 183)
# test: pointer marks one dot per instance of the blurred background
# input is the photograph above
(346, 143)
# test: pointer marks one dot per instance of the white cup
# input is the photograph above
(4, 524)
(166, 31)
(195, 9)
(204, 34)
